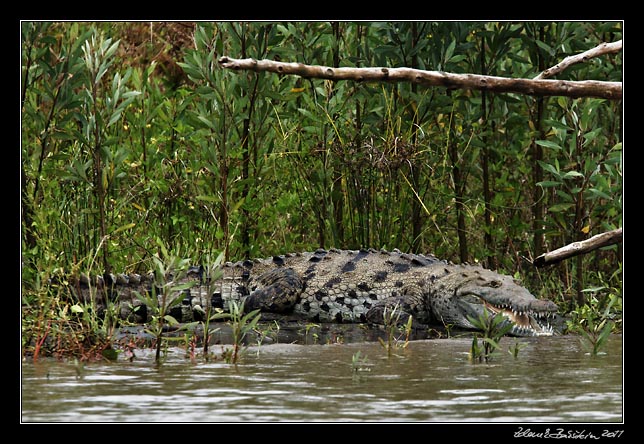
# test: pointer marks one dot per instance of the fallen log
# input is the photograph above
(534, 87)
(577, 248)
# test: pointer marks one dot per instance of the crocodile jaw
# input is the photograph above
(530, 316)
(525, 323)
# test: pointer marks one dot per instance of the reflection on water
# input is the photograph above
(552, 380)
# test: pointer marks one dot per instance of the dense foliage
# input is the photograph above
(133, 136)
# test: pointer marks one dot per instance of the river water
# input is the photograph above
(552, 379)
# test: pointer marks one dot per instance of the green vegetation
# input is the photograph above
(166, 293)
(514, 350)
(212, 274)
(597, 319)
(493, 328)
(132, 134)
(392, 324)
(241, 324)
(307, 332)
(359, 365)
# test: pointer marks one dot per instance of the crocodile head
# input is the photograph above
(469, 292)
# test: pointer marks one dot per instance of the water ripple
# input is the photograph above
(430, 381)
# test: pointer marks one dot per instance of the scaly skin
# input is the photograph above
(346, 286)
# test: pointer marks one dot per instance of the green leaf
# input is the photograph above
(548, 183)
(208, 198)
(591, 135)
(220, 315)
(131, 94)
(558, 208)
(183, 286)
(188, 326)
(191, 71)
(545, 47)
(565, 196)
(450, 49)
(124, 227)
(115, 117)
(593, 289)
(457, 58)
(561, 127)
(148, 299)
(490, 341)
(112, 49)
(249, 315)
(208, 122)
(284, 30)
(599, 193)
(170, 320)
(605, 332)
(572, 174)
(550, 168)
(307, 113)
(548, 144)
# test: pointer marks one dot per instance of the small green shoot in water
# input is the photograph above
(492, 328)
(359, 365)
(241, 325)
(170, 293)
(514, 350)
(391, 318)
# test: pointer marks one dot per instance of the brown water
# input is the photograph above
(551, 380)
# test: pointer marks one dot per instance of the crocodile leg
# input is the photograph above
(276, 291)
(410, 302)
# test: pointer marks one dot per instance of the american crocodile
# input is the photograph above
(341, 286)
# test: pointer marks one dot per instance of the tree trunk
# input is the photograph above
(416, 207)
(337, 195)
(26, 211)
(491, 261)
(459, 190)
(537, 176)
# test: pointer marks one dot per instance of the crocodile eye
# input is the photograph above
(495, 284)
(471, 299)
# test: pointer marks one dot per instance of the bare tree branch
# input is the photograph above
(577, 248)
(604, 48)
(541, 87)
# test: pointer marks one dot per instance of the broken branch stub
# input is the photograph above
(581, 247)
(604, 48)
